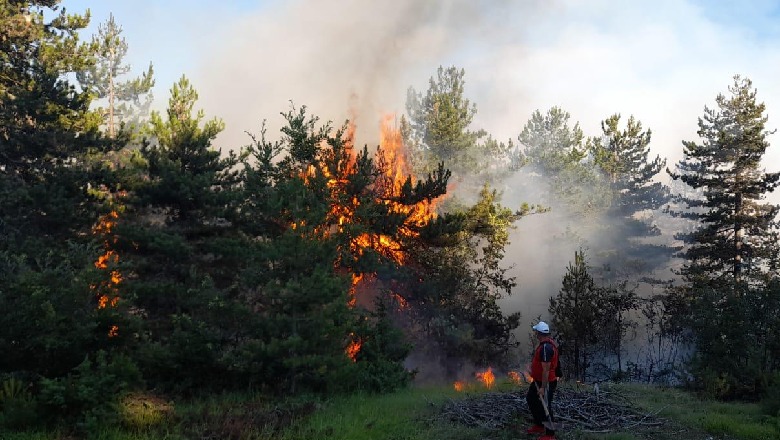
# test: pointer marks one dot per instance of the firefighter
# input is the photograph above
(545, 380)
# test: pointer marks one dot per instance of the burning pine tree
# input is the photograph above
(437, 275)
(312, 268)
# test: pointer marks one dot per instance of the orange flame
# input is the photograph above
(487, 378)
(103, 260)
(356, 278)
(514, 377)
(106, 291)
(353, 348)
(458, 386)
(387, 189)
(106, 223)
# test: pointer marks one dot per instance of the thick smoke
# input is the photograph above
(343, 59)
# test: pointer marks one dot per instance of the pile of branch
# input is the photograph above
(589, 411)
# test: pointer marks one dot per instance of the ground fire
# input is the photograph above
(487, 379)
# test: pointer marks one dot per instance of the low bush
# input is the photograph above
(18, 408)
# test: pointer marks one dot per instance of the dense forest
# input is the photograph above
(134, 255)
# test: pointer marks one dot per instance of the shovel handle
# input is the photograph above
(549, 424)
(543, 398)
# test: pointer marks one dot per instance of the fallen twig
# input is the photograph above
(604, 412)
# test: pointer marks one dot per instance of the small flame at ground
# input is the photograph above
(487, 378)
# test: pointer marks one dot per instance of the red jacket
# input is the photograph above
(536, 364)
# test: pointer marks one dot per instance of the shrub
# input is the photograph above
(379, 363)
(770, 403)
(143, 410)
(90, 394)
(18, 409)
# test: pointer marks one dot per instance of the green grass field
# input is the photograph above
(410, 414)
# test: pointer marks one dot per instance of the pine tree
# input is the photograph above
(580, 314)
(438, 129)
(729, 255)
(623, 156)
(457, 282)
(179, 250)
(549, 143)
(439, 121)
(127, 101)
(50, 187)
(557, 160)
(307, 202)
(190, 177)
(44, 124)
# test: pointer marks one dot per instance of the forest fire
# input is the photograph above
(354, 347)
(389, 186)
(403, 304)
(487, 378)
(107, 290)
(356, 278)
(387, 189)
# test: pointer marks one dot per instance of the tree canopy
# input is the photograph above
(730, 256)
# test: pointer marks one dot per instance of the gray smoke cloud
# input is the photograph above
(343, 59)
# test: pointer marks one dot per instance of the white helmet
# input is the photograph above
(542, 327)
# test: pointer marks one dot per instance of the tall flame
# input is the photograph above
(395, 170)
(387, 190)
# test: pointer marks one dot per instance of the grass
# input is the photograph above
(691, 417)
(408, 414)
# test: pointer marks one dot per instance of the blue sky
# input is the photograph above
(661, 61)
(164, 32)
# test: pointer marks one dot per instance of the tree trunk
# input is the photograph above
(111, 94)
